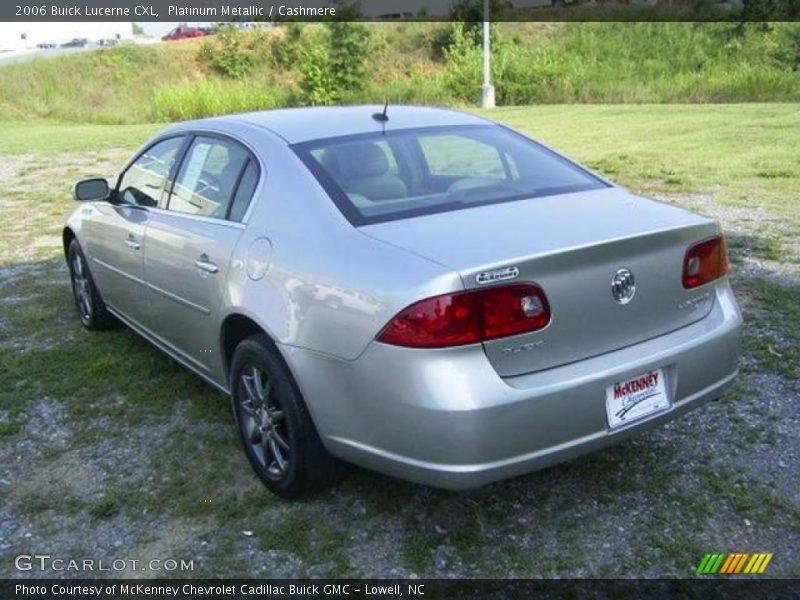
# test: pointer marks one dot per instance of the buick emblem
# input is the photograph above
(623, 286)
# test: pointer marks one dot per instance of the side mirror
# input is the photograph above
(91, 190)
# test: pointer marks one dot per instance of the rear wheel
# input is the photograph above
(91, 308)
(275, 429)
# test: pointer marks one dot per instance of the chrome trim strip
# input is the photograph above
(168, 349)
(191, 217)
(120, 272)
(178, 299)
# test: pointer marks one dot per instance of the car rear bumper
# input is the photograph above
(446, 419)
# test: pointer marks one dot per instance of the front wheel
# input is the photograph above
(91, 308)
(275, 429)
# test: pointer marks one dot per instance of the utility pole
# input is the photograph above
(487, 91)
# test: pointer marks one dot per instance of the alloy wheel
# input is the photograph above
(81, 288)
(263, 422)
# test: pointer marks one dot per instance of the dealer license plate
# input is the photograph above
(636, 398)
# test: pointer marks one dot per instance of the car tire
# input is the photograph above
(91, 309)
(275, 428)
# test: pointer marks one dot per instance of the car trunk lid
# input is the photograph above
(573, 246)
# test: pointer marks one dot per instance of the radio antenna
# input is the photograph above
(382, 117)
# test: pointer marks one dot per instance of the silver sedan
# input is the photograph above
(417, 291)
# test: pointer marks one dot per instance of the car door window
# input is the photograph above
(207, 178)
(143, 182)
(244, 192)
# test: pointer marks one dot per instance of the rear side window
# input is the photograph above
(208, 176)
(244, 192)
(142, 183)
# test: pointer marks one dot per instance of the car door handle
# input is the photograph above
(205, 264)
(132, 244)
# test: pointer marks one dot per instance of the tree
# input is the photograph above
(316, 79)
(763, 10)
(348, 10)
(470, 12)
(349, 47)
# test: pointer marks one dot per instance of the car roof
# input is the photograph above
(297, 125)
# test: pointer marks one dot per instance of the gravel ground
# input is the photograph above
(147, 465)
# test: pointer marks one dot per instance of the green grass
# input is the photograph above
(49, 138)
(672, 150)
(720, 150)
(209, 97)
(106, 507)
(637, 63)
(777, 316)
(107, 86)
(538, 63)
(9, 428)
(417, 549)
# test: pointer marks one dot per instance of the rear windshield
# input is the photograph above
(400, 174)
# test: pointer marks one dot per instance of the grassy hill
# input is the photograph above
(535, 63)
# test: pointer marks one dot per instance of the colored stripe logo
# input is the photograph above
(734, 563)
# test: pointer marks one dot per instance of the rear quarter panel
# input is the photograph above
(327, 287)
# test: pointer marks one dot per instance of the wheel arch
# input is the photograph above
(67, 235)
(235, 328)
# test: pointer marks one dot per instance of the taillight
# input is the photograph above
(469, 317)
(705, 261)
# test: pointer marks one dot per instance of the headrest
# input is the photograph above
(355, 159)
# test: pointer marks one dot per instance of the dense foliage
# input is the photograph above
(333, 63)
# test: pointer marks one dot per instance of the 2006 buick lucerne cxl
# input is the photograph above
(417, 291)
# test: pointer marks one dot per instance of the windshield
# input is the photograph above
(383, 177)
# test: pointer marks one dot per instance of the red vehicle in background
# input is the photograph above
(183, 32)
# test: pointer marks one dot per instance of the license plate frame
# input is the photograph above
(636, 398)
